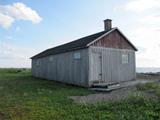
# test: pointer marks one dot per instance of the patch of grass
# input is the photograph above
(153, 87)
(23, 97)
(148, 86)
(14, 70)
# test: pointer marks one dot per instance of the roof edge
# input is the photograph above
(127, 39)
(34, 57)
(101, 36)
(115, 28)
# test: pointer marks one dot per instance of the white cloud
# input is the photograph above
(15, 56)
(141, 5)
(148, 40)
(151, 19)
(17, 11)
(145, 31)
(5, 21)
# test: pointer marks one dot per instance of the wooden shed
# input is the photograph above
(105, 57)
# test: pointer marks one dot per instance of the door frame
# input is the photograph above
(94, 68)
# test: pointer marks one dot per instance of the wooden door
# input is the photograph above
(97, 67)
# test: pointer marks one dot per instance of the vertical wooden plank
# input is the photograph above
(112, 68)
(64, 68)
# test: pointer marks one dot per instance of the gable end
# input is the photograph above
(114, 39)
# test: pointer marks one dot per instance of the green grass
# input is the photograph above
(23, 97)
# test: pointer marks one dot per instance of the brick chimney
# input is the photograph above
(107, 24)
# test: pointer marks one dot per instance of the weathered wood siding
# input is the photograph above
(63, 67)
(113, 40)
(102, 61)
(112, 68)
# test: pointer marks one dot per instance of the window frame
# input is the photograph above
(77, 56)
(125, 58)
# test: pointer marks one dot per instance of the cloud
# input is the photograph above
(151, 19)
(145, 30)
(12, 55)
(147, 38)
(17, 11)
(5, 21)
(17, 56)
(8, 51)
(142, 5)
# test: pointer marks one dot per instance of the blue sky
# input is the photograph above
(39, 25)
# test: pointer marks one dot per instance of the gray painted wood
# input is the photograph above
(112, 68)
(84, 71)
(63, 67)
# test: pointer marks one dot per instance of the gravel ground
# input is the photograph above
(104, 96)
(114, 95)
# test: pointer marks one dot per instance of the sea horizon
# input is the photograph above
(147, 69)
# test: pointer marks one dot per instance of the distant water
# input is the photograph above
(147, 70)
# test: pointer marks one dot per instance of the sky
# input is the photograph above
(28, 27)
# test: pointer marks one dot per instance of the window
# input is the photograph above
(125, 58)
(77, 55)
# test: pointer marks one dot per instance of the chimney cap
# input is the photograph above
(107, 20)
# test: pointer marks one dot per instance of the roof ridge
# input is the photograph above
(79, 43)
(76, 40)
